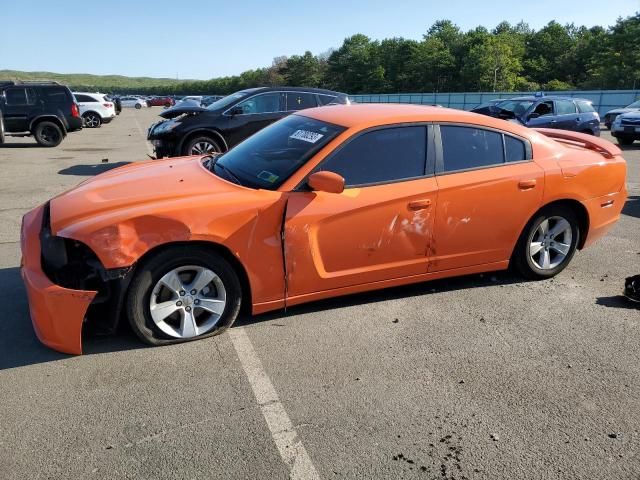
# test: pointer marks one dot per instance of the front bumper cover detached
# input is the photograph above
(57, 313)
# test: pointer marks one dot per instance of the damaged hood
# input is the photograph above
(181, 109)
(128, 190)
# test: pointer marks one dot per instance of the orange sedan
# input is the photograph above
(326, 202)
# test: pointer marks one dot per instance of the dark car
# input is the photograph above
(485, 107)
(193, 130)
(117, 104)
(611, 115)
(46, 110)
(540, 111)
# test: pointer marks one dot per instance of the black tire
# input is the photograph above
(92, 120)
(190, 145)
(167, 105)
(1, 129)
(153, 269)
(138, 106)
(48, 134)
(523, 262)
(626, 141)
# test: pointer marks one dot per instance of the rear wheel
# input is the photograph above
(181, 294)
(48, 134)
(92, 120)
(548, 243)
(138, 106)
(201, 145)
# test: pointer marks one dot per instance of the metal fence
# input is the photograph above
(603, 100)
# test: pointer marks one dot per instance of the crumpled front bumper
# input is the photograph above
(57, 313)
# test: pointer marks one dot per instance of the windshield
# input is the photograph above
(518, 107)
(226, 101)
(634, 105)
(268, 158)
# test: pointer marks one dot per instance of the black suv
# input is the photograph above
(46, 110)
(195, 130)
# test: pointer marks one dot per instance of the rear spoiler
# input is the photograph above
(603, 147)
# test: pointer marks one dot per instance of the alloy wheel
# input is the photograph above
(187, 301)
(550, 243)
(91, 121)
(203, 148)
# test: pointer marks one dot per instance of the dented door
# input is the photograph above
(362, 235)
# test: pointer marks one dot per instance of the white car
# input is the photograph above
(95, 109)
(191, 98)
(133, 102)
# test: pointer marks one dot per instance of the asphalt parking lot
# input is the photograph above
(481, 377)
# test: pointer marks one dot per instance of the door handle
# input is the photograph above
(526, 184)
(419, 204)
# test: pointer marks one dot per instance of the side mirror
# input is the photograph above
(326, 182)
(533, 115)
(236, 111)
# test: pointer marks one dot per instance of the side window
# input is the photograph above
(84, 98)
(544, 108)
(56, 94)
(300, 101)
(565, 107)
(16, 96)
(585, 107)
(264, 103)
(465, 148)
(381, 156)
(326, 99)
(515, 150)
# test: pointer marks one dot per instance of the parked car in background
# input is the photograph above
(611, 115)
(542, 111)
(117, 105)
(133, 102)
(161, 102)
(626, 127)
(209, 99)
(194, 130)
(45, 110)
(95, 109)
(485, 107)
(194, 99)
(325, 202)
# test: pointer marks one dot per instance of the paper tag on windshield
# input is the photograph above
(306, 136)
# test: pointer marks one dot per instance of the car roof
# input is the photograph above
(293, 89)
(374, 114)
(548, 97)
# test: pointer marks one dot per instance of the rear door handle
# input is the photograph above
(526, 184)
(419, 204)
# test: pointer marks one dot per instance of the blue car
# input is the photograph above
(542, 111)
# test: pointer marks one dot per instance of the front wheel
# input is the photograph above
(181, 294)
(201, 146)
(547, 243)
(138, 106)
(48, 134)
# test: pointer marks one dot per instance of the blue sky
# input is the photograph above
(205, 39)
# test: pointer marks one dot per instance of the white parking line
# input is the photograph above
(144, 137)
(291, 449)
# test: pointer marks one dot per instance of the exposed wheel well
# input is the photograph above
(91, 111)
(217, 136)
(220, 250)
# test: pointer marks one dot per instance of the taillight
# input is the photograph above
(108, 105)
(74, 110)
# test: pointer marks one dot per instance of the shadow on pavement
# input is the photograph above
(20, 145)
(617, 301)
(394, 293)
(89, 170)
(632, 207)
(19, 345)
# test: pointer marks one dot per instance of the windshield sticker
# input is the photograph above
(306, 136)
(268, 176)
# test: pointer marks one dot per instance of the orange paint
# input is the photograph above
(360, 239)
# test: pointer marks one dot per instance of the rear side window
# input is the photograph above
(585, 107)
(515, 150)
(300, 101)
(326, 99)
(565, 107)
(381, 156)
(55, 94)
(464, 148)
(85, 98)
